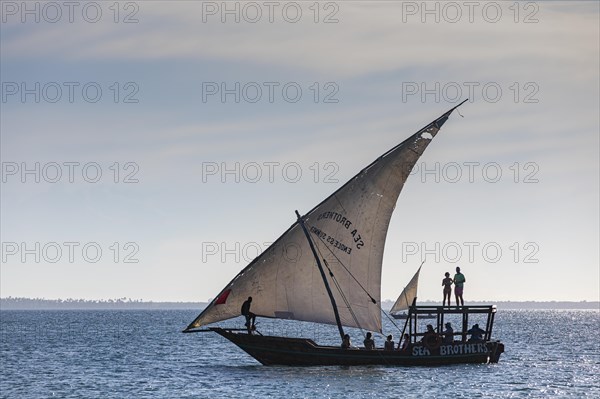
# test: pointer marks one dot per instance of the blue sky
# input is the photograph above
(191, 231)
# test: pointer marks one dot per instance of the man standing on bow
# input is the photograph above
(250, 317)
(459, 280)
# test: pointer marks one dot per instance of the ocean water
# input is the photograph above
(143, 354)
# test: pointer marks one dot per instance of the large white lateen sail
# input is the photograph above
(348, 230)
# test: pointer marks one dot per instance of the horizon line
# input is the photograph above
(133, 300)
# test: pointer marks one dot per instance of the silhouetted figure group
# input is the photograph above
(369, 343)
(430, 339)
(458, 281)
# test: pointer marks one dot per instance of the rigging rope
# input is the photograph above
(348, 304)
(360, 285)
(339, 288)
(344, 266)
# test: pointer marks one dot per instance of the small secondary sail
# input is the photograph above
(408, 295)
(348, 229)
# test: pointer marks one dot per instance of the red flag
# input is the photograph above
(223, 297)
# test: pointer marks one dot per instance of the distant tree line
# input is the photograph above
(18, 303)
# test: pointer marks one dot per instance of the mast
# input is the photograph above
(331, 298)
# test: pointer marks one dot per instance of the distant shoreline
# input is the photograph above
(128, 304)
(82, 304)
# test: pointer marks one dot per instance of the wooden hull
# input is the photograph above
(305, 352)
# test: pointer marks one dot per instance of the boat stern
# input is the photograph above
(496, 349)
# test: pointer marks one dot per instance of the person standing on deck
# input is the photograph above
(459, 280)
(447, 283)
(250, 317)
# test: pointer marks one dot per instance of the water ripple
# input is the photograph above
(142, 354)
